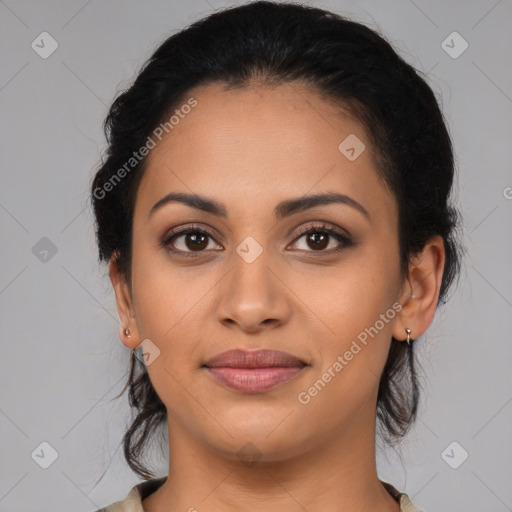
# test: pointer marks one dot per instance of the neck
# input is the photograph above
(339, 474)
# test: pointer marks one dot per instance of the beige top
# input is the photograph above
(133, 500)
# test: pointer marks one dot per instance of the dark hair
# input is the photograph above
(349, 64)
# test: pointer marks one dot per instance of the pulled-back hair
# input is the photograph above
(267, 43)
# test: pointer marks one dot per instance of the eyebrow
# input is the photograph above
(282, 210)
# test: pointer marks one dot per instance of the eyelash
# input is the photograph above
(345, 240)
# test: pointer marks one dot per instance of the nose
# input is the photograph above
(252, 297)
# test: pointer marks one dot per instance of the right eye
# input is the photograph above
(187, 241)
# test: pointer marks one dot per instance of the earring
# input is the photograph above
(127, 332)
(408, 331)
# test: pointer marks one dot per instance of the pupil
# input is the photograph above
(319, 239)
(198, 241)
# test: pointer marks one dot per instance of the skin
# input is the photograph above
(250, 149)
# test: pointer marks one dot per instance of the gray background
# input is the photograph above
(62, 361)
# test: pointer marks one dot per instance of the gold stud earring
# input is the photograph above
(408, 331)
(127, 332)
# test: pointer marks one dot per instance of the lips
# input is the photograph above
(253, 371)
(262, 358)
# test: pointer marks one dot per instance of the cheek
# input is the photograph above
(354, 303)
(167, 305)
(351, 295)
(158, 291)
(171, 305)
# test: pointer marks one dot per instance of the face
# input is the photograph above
(319, 282)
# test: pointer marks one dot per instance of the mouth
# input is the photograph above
(253, 371)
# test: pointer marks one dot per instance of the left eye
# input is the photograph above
(318, 239)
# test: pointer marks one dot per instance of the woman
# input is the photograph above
(274, 209)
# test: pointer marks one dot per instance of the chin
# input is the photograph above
(261, 437)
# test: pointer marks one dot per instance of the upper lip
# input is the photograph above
(257, 358)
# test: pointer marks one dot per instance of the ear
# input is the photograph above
(124, 306)
(420, 292)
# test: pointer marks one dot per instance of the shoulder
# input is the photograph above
(133, 500)
(406, 505)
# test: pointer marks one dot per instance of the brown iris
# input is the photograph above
(196, 241)
(321, 240)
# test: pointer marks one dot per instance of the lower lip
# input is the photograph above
(254, 380)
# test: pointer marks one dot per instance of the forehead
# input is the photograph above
(261, 142)
(278, 122)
